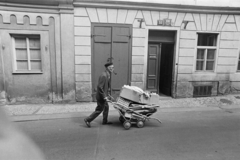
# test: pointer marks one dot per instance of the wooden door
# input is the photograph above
(121, 58)
(153, 67)
(111, 42)
(101, 52)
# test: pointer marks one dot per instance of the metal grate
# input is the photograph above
(202, 91)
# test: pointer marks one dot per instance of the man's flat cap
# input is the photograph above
(108, 64)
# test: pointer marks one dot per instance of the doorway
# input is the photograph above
(160, 62)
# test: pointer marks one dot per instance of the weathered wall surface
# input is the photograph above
(53, 20)
(225, 3)
(67, 50)
(33, 88)
(82, 32)
(2, 79)
(68, 46)
(228, 27)
(226, 57)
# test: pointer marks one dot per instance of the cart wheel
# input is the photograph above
(121, 119)
(140, 124)
(127, 125)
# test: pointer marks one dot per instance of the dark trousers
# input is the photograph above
(102, 106)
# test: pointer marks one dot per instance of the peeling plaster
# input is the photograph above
(69, 96)
(2, 95)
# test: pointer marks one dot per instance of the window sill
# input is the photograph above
(27, 72)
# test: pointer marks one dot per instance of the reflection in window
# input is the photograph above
(205, 39)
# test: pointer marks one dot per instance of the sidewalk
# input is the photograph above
(24, 112)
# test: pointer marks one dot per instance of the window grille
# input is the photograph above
(202, 91)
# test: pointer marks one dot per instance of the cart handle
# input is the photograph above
(110, 99)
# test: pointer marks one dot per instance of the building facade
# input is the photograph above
(37, 51)
(55, 51)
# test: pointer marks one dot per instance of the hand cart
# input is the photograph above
(133, 113)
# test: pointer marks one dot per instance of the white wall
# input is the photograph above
(221, 3)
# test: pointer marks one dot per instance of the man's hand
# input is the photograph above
(106, 99)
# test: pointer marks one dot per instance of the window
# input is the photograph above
(27, 53)
(202, 91)
(206, 51)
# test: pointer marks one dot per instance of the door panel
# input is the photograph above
(121, 34)
(120, 54)
(102, 53)
(102, 34)
(121, 67)
(153, 67)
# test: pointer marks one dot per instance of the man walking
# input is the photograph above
(103, 89)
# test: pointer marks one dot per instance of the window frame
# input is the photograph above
(206, 48)
(26, 36)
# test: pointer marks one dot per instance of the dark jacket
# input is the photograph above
(103, 86)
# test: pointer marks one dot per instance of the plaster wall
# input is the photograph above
(226, 25)
(67, 50)
(225, 3)
(24, 87)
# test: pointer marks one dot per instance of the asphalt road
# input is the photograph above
(184, 135)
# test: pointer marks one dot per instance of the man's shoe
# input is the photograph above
(107, 123)
(87, 123)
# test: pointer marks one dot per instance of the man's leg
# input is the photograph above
(105, 114)
(98, 110)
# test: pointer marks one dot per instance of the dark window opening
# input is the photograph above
(207, 39)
